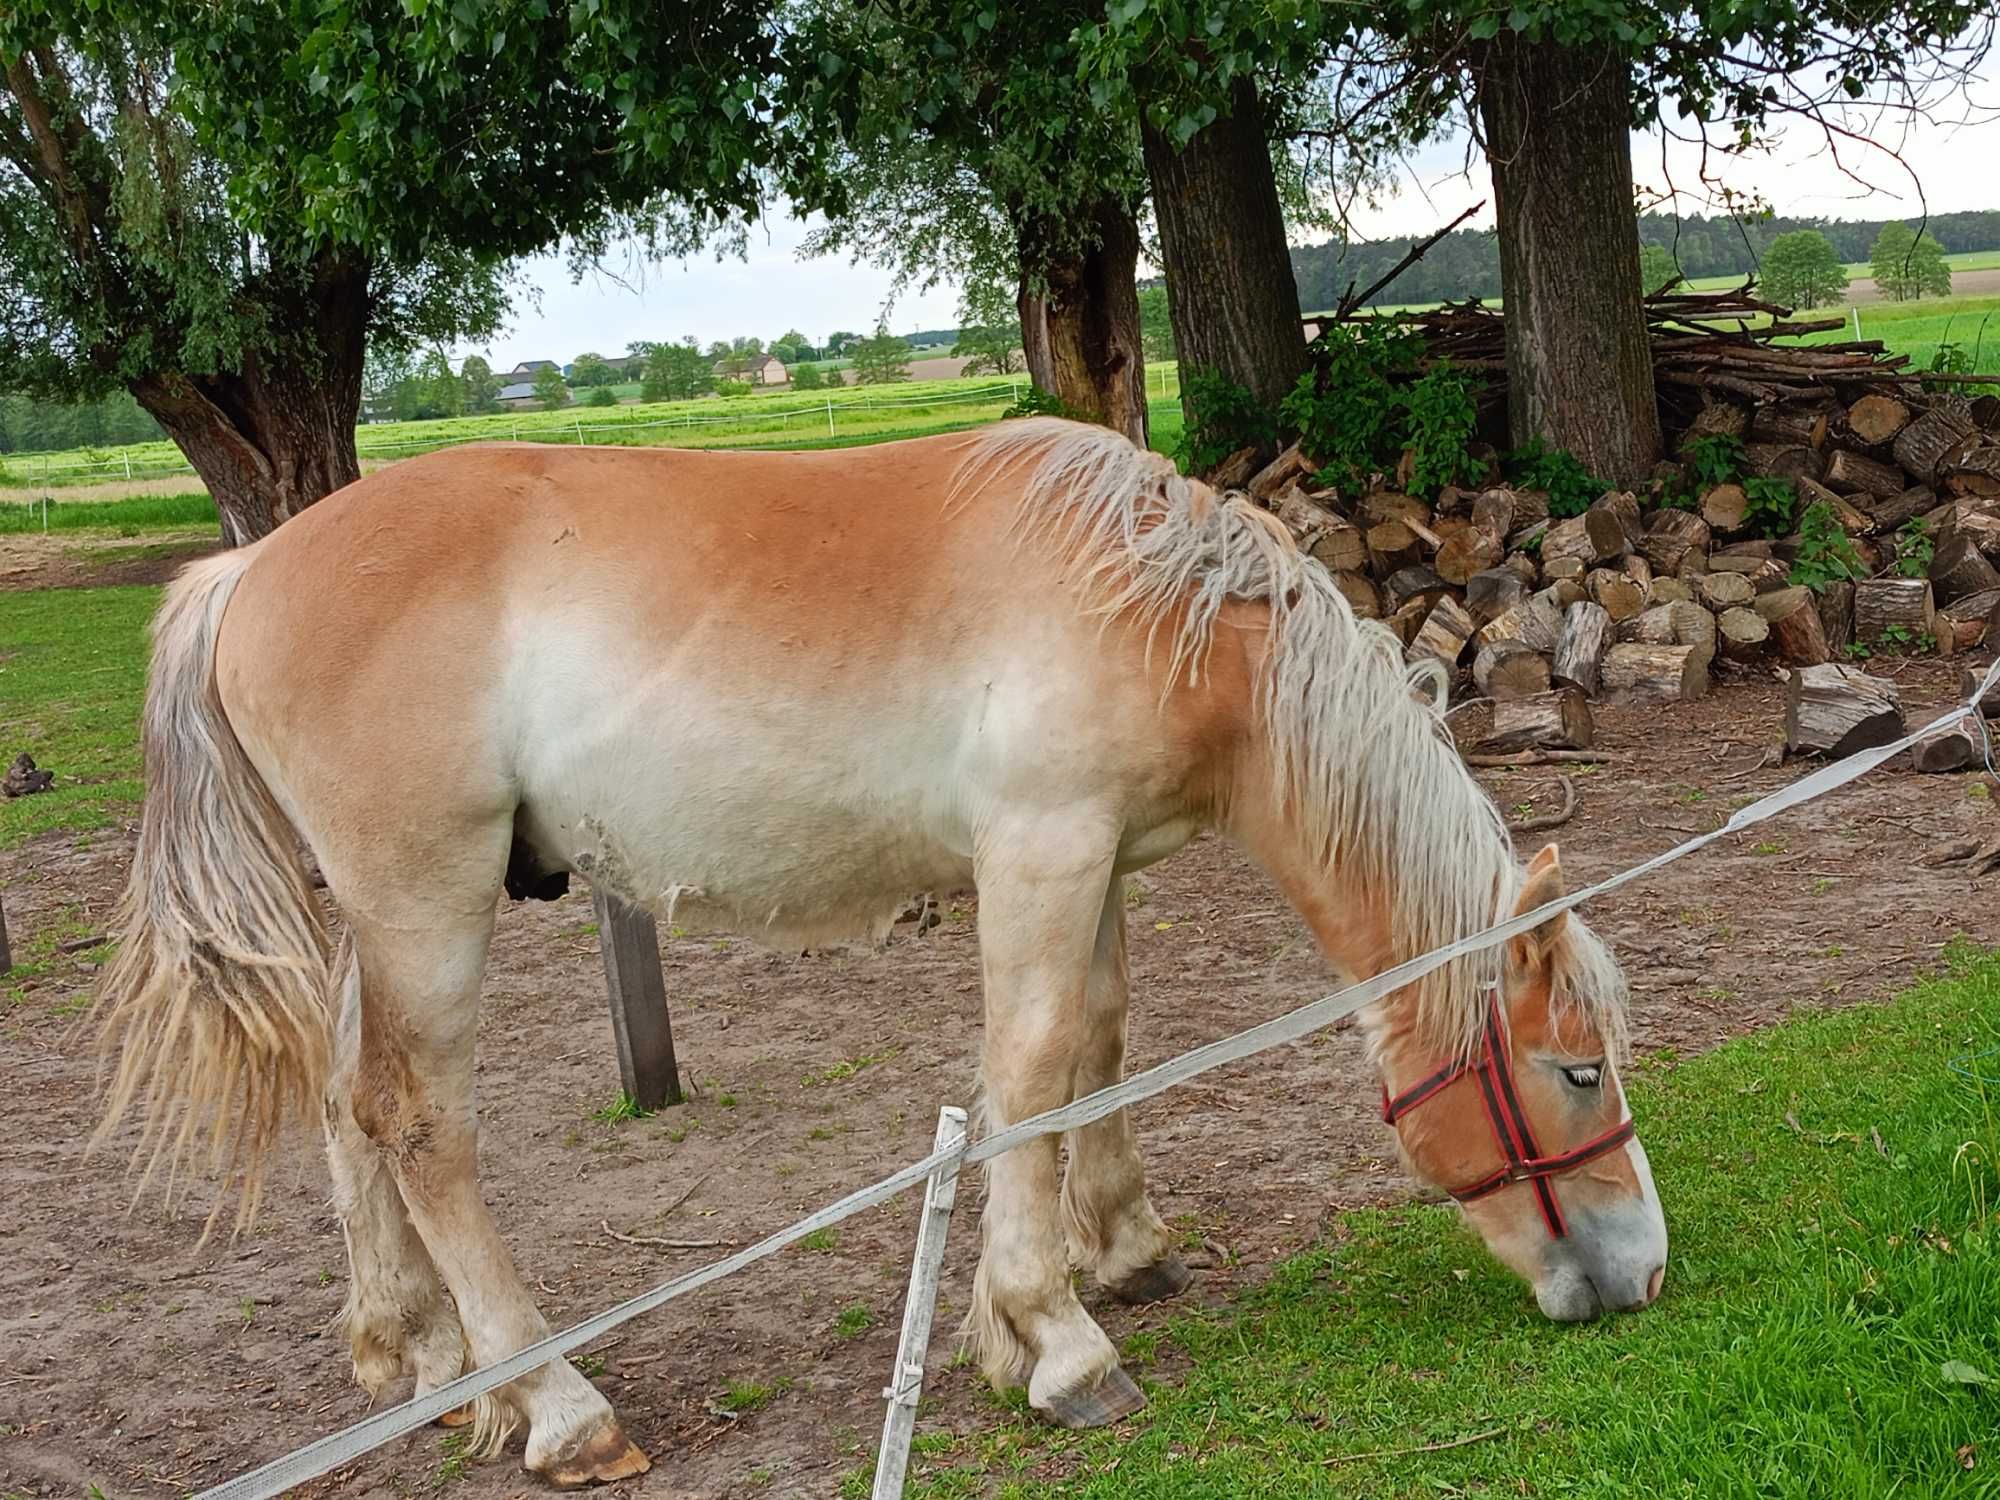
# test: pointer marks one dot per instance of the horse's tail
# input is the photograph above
(216, 997)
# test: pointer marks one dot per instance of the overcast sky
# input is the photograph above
(774, 290)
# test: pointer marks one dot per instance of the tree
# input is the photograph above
(1907, 265)
(588, 370)
(734, 356)
(1801, 270)
(807, 377)
(675, 372)
(833, 378)
(989, 334)
(126, 270)
(601, 395)
(1658, 270)
(550, 388)
(791, 347)
(1156, 327)
(839, 344)
(482, 386)
(881, 359)
(439, 391)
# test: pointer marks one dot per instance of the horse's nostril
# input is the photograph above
(1653, 1283)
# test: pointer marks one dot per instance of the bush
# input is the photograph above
(1558, 473)
(1223, 416)
(1772, 505)
(732, 387)
(1036, 402)
(1443, 412)
(1347, 412)
(807, 378)
(833, 378)
(1826, 553)
(601, 395)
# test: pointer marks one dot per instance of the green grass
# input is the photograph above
(72, 673)
(623, 1107)
(1829, 1187)
(136, 513)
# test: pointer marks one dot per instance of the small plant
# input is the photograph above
(1772, 503)
(590, 1366)
(456, 1458)
(1443, 409)
(1712, 460)
(1348, 410)
(1036, 402)
(741, 1396)
(1222, 417)
(1915, 548)
(855, 1319)
(1897, 636)
(820, 1239)
(619, 1110)
(1559, 474)
(1855, 651)
(1826, 552)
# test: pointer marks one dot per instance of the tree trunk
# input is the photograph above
(1230, 292)
(270, 438)
(1087, 351)
(1558, 139)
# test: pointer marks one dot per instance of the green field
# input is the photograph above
(1969, 260)
(1827, 1327)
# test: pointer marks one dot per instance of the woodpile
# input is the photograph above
(1648, 591)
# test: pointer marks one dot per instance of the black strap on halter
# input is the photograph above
(1522, 1158)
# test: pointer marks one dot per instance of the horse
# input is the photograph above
(773, 694)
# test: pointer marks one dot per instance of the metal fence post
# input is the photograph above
(906, 1382)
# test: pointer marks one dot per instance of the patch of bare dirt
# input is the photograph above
(70, 560)
(130, 1360)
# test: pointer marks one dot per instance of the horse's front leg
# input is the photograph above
(1113, 1228)
(1040, 895)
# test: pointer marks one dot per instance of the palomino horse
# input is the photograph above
(776, 693)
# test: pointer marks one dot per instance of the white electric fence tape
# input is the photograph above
(338, 1448)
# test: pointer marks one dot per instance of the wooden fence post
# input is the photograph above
(6, 953)
(639, 1021)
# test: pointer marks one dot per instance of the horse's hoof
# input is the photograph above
(1112, 1399)
(458, 1416)
(605, 1458)
(1165, 1278)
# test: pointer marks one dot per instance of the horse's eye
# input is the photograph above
(1585, 1075)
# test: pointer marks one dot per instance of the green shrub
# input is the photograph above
(1036, 402)
(1915, 549)
(1772, 504)
(1443, 410)
(1223, 416)
(1348, 411)
(1558, 473)
(1826, 552)
(732, 387)
(601, 395)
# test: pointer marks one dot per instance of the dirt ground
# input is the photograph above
(134, 1361)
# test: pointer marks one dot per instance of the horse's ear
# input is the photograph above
(1544, 883)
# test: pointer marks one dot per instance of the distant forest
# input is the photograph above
(1467, 263)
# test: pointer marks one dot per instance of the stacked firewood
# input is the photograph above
(1639, 600)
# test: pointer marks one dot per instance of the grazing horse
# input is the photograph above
(774, 694)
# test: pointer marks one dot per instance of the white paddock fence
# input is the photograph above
(955, 1150)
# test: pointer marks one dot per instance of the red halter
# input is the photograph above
(1523, 1162)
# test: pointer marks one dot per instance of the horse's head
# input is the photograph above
(1530, 1133)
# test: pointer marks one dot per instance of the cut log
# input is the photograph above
(1678, 622)
(1874, 420)
(1903, 605)
(1968, 683)
(1834, 710)
(1341, 548)
(1531, 508)
(1923, 445)
(1782, 460)
(1443, 635)
(1586, 636)
(1493, 592)
(1986, 413)
(1555, 720)
(1972, 619)
(1287, 469)
(1638, 569)
(1562, 569)
(1953, 748)
(1618, 594)
(1468, 552)
(1974, 472)
(1614, 525)
(1973, 520)
(1836, 615)
(1902, 506)
(1634, 673)
(1392, 545)
(1361, 593)
(1569, 540)
(1741, 634)
(1234, 471)
(1804, 426)
(1404, 623)
(1720, 591)
(1508, 670)
(1850, 473)
(1796, 631)
(1564, 592)
(1723, 508)
(1717, 419)
(1853, 520)
(1958, 569)
(1536, 622)
(1523, 567)
(1671, 536)
(1391, 505)
(1413, 584)
(1669, 591)
(1493, 513)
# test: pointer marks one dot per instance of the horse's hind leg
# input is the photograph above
(1113, 1228)
(1039, 900)
(413, 1096)
(397, 1314)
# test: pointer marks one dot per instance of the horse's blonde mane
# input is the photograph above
(1356, 737)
